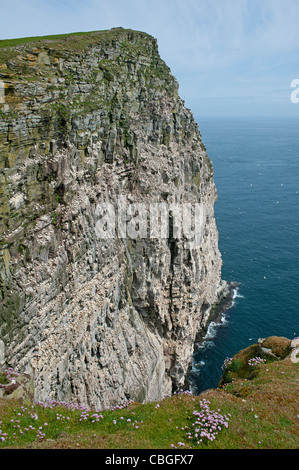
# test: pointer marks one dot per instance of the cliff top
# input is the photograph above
(9, 48)
(42, 59)
(70, 39)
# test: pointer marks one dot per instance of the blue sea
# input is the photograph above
(256, 171)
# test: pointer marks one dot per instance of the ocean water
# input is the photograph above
(256, 171)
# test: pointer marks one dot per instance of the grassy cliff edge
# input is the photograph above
(254, 407)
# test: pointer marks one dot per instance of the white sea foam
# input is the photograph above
(212, 328)
(197, 366)
(208, 344)
(211, 332)
(236, 295)
(240, 296)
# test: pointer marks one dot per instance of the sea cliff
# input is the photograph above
(88, 120)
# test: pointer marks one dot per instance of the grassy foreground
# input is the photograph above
(257, 413)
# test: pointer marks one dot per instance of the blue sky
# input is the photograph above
(231, 57)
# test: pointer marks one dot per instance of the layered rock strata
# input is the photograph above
(85, 121)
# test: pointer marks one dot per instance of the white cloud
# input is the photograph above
(216, 34)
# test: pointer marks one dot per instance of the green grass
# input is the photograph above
(18, 41)
(102, 35)
(55, 37)
(137, 426)
(3, 379)
(262, 413)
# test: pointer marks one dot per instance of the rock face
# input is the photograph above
(88, 120)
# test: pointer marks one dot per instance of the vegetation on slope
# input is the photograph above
(17, 41)
(255, 411)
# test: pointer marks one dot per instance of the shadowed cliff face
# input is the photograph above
(88, 121)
